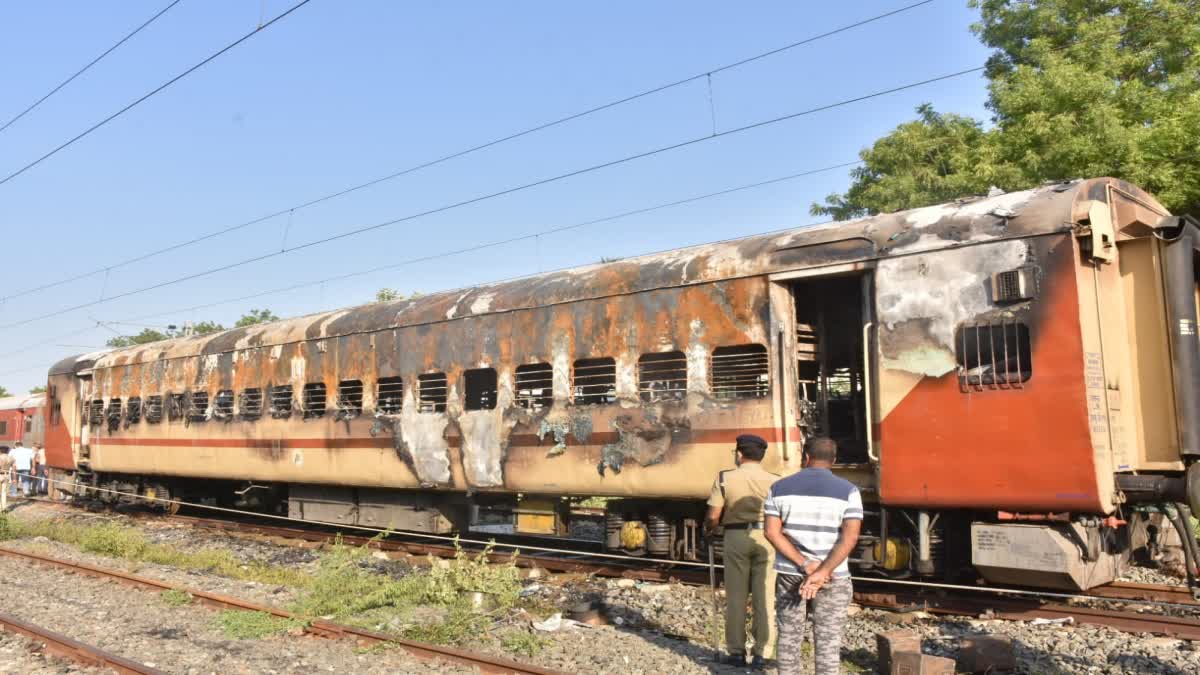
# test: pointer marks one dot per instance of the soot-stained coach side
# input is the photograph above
(1007, 353)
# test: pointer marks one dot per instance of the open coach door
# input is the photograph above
(824, 338)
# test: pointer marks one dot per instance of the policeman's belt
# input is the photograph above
(744, 526)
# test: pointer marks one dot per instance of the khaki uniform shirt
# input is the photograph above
(6, 465)
(741, 492)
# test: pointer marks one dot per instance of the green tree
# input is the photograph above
(38, 390)
(147, 335)
(206, 327)
(4, 392)
(256, 316)
(1077, 88)
(387, 295)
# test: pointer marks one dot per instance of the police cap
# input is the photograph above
(751, 442)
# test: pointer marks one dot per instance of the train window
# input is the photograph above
(133, 411)
(281, 401)
(250, 405)
(662, 377)
(197, 408)
(29, 424)
(996, 356)
(535, 386)
(223, 405)
(96, 412)
(389, 395)
(176, 404)
(595, 381)
(4, 429)
(480, 387)
(314, 399)
(350, 399)
(740, 371)
(154, 409)
(113, 414)
(56, 413)
(432, 390)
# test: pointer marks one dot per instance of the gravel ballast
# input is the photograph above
(661, 628)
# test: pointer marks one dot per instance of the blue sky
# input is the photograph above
(342, 92)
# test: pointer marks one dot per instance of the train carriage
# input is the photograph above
(1011, 380)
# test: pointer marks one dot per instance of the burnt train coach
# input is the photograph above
(1012, 381)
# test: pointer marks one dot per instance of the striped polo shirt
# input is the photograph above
(812, 504)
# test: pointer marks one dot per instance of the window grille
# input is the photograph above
(740, 372)
(250, 406)
(4, 432)
(113, 414)
(389, 395)
(535, 386)
(314, 399)
(154, 409)
(197, 409)
(176, 406)
(133, 411)
(594, 381)
(480, 389)
(994, 356)
(29, 424)
(223, 405)
(662, 377)
(281, 401)
(96, 413)
(350, 399)
(432, 390)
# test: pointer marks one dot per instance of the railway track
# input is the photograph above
(318, 627)
(60, 645)
(1027, 606)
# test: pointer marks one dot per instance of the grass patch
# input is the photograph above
(243, 625)
(523, 642)
(175, 598)
(120, 541)
(347, 590)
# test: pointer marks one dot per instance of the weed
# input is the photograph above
(119, 541)
(175, 598)
(6, 528)
(523, 642)
(460, 626)
(242, 625)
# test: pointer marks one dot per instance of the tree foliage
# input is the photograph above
(1077, 88)
(38, 390)
(390, 294)
(4, 392)
(256, 316)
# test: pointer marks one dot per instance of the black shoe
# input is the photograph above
(734, 659)
(758, 663)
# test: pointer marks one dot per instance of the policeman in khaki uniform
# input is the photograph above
(736, 503)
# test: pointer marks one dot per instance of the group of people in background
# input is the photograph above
(23, 469)
(786, 544)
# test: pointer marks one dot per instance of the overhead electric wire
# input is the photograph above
(467, 151)
(139, 320)
(500, 193)
(91, 63)
(151, 93)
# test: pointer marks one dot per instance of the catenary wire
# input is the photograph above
(611, 556)
(467, 151)
(507, 191)
(151, 93)
(91, 63)
(139, 320)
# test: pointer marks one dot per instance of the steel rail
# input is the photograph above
(319, 627)
(60, 645)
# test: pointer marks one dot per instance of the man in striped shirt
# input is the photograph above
(812, 519)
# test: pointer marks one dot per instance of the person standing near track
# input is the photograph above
(6, 470)
(23, 461)
(736, 503)
(40, 469)
(813, 519)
